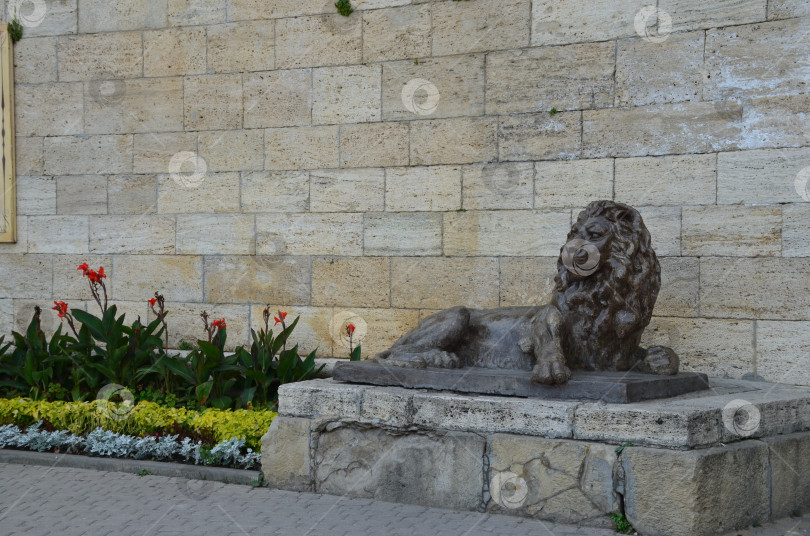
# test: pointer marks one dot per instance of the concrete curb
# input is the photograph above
(124, 465)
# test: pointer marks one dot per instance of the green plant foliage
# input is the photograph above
(15, 30)
(344, 7)
(622, 525)
(355, 354)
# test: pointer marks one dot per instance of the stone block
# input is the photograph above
(692, 14)
(36, 195)
(245, 279)
(346, 94)
(26, 276)
(795, 230)
(667, 180)
(351, 282)
(689, 127)
(572, 77)
(376, 329)
(186, 325)
(216, 192)
(396, 33)
(775, 122)
(174, 51)
(434, 88)
(232, 150)
(88, 155)
(497, 24)
(664, 224)
(213, 102)
(297, 148)
(433, 282)
(761, 176)
(286, 459)
(347, 190)
(557, 480)
(241, 46)
(57, 234)
(310, 234)
(718, 347)
(216, 234)
(195, 12)
(505, 233)
(389, 406)
(680, 287)
(120, 15)
(178, 278)
(35, 60)
(140, 105)
(763, 288)
(154, 152)
(559, 23)
(21, 245)
(7, 315)
(70, 286)
(29, 154)
(584, 180)
(49, 109)
(275, 191)
(100, 56)
(784, 9)
(493, 186)
(257, 9)
(790, 485)
(782, 347)
(60, 18)
(441, 469)
(732, 230)
(460, 140)
(374, 144)
(278, 98)
(414, 189)
(320, 398)
(144, 235)
(540, 136)
(653, 72)
(527, 280)
(77, 194)
(402, 233)
(320, 40)
(311, 331)
(696, 493)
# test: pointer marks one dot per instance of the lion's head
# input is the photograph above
(607, 282)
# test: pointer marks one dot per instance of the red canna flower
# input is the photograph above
(279, 320)
(101, 274)
(219, 324)
(61, 308)
(84, 268)
(152, 301)
(350, 329)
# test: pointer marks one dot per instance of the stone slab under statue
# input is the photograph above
(583, 344)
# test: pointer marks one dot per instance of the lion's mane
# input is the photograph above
(604, 314)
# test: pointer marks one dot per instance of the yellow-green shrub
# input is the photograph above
(144, 419)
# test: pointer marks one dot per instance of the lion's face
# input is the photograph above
(588, 246)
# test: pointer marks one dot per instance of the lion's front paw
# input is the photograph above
(551, 373)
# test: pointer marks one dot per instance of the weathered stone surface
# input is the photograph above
(692, 14)
(572, 184)
(680, 287)
(395, 34)
(36, 195)
(79, 194)
(117, 15)
(497, 24)
(241, 46)
(790, 485)
(29, 156)
(320, 398)
(70, 287)
(212, 102)
(415, 189)
(401, 233)
(741, 231)
(351, 282)
(35, 61)
(458, 83)
(374, 144)
(527, 280)
(146, 235)
(49, 110)
(780, 9)
(432, 282)
(540, 136)
(571, 77)
(60, 18)
(100, 56)
(321, 40)
(490, 186)
(186, 324)
(347, 190)
(216, 234)
(257, 9)
(796, 230)
(755, 288)
(659, 72)
(504, 233)
(57, 234)
(557, 23)
(296, 148)
(699, 492)
(761, 176)
(26, 276)
(140, 105)
(7, 315)
(232, 150)
(775, 122)
(286, 455)
(275, 191)
(667, 180)
(194, 12)
(781, 350)
(245, 279)
(664, 224)
(216, 192)
(101, 155)
(441, 469)
(346, 94)
(453, 141)
(174, 51)
(309, 234)
(558, 480)
(278, 98)
(154, 152)
(178, 278)
(312, 330)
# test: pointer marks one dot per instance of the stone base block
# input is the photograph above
(705, 463)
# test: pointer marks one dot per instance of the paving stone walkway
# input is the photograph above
(37, 500)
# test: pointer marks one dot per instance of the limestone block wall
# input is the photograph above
(413, 156)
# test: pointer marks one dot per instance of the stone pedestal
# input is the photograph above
(696, 464)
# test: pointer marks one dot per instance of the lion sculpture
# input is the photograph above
(607, 282)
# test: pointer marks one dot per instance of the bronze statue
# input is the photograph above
(607, 282)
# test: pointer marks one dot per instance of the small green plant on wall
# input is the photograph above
(15, 30)
(344, 7)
